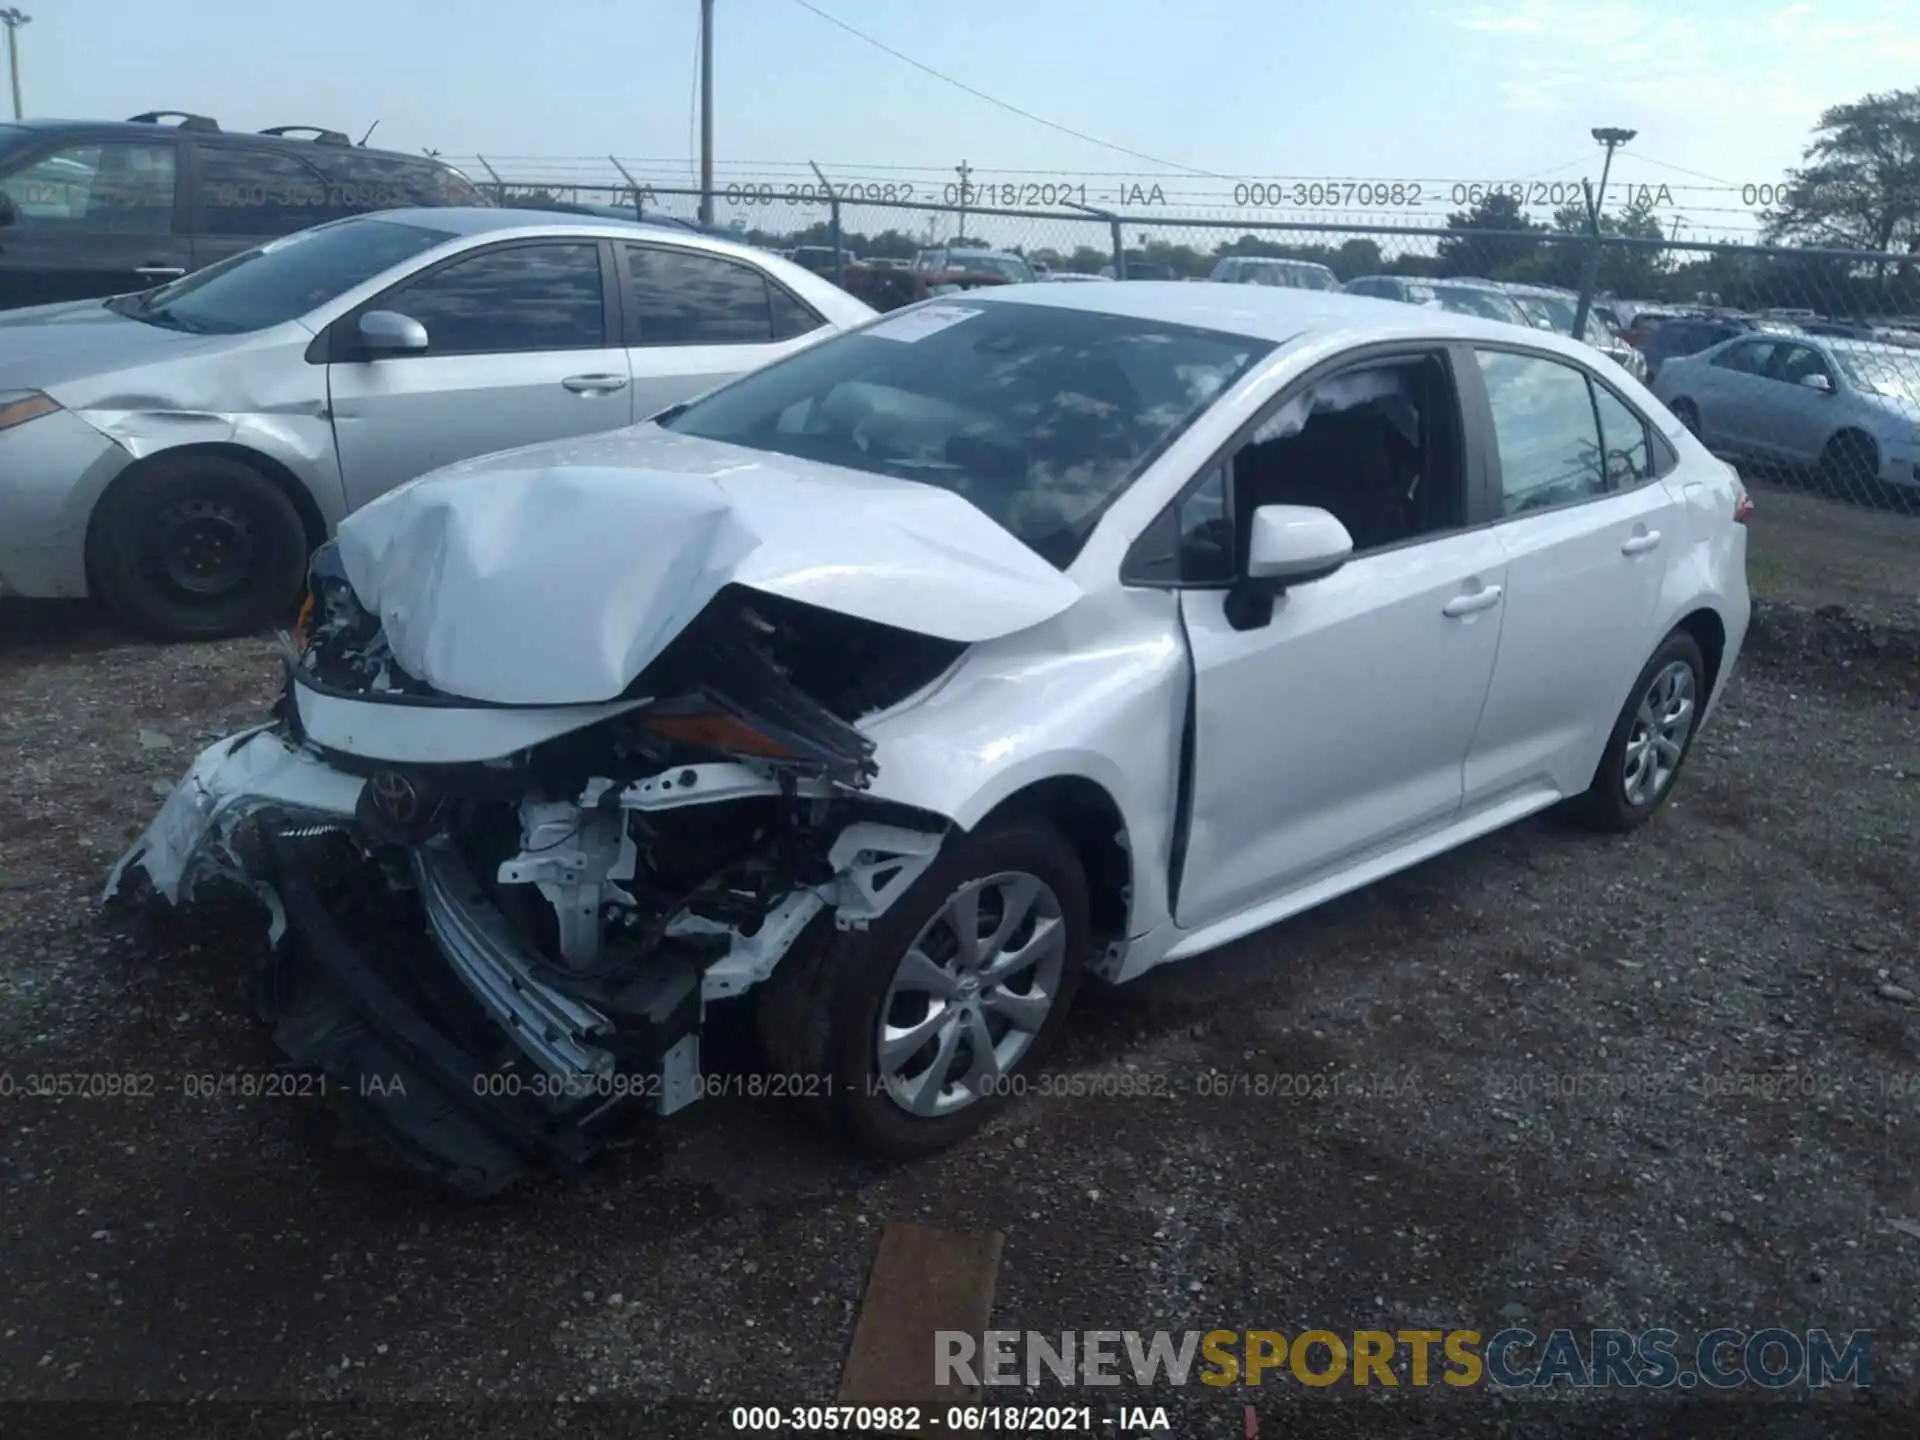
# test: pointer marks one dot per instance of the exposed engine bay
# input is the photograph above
(529, 938)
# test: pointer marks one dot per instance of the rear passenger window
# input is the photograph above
(1544, 426)
(1623, 434)
(247, 191)
(682, 298)
(790, 317)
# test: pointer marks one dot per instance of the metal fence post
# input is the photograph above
(639, 210)
(1590, 269)
(499, 185)
(1118, 240)
(833, 222)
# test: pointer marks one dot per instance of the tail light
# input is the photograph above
(1742, 506)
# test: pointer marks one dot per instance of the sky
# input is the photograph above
(1221, 95)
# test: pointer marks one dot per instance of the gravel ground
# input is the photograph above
(1763, 927)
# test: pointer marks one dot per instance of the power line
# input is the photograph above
(1002, 104)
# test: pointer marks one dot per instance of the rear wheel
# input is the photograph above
(910, 1035)
(1650, 740)
(193, 547)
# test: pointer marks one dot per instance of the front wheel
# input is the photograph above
(197, 546)
(911, 1034)
(1650, 740)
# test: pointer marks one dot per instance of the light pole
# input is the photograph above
(1611, 137)
(13, 19)
(706, 112)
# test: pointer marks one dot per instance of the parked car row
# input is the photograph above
(898, 685)
(1539, 307)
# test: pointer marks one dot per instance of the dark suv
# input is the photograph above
(93, 208)
(1689, 335)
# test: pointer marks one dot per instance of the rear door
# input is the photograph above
(522, 347)
(1588, 530)
(1735, 399)
(694, 320)
(244, 195)
(91, 217)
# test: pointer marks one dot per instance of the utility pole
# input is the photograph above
(13, 19)
(963, 170)
(1612, 138)
(706, 112)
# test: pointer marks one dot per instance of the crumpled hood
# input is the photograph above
(44, 346)
(554, 574)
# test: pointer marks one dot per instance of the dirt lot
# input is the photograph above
(1764, 927)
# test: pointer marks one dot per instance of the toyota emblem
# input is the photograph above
(395, 796)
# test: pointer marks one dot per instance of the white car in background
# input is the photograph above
(1270, 270)
(1041, 631)
(178, 453)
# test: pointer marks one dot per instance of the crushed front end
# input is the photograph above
(497, 928)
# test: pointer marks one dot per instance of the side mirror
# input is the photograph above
(388, 332)
(1288, 545)
(1817, 382)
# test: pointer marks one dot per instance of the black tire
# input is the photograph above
(818, 1016)
(1850, 466)
(1607, 803)
(1688, 414)
(195, 547)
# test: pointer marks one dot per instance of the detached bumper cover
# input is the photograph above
(231, 779)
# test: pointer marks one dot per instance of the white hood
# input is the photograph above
(553, 574)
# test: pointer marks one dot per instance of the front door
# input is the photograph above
(91, 218)
(1338, 729)
(1800, 418)
(518, 352)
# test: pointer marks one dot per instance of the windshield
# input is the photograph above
(281, 281)
(1038, 415)
(1558, 309)
(1288, 276)
(1880, 374)
(1487, 304)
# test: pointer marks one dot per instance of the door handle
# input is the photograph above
(595, 384)
(161, 272)
(1640, 544)
(1483, 599)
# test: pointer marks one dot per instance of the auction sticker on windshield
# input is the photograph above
(919, 324)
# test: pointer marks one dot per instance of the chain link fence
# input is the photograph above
(1814, 394)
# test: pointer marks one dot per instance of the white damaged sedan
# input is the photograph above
(900, 684)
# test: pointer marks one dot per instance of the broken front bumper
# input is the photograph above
(428, 1058)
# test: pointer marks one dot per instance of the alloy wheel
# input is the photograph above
(972, 993)
(1658, 738)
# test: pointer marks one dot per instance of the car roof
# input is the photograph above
(1265, 313)
(148, 129)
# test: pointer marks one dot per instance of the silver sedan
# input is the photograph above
(178, 453)
(1849, 409)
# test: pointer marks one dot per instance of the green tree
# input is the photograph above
(1859, 185)
(1494, 233)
